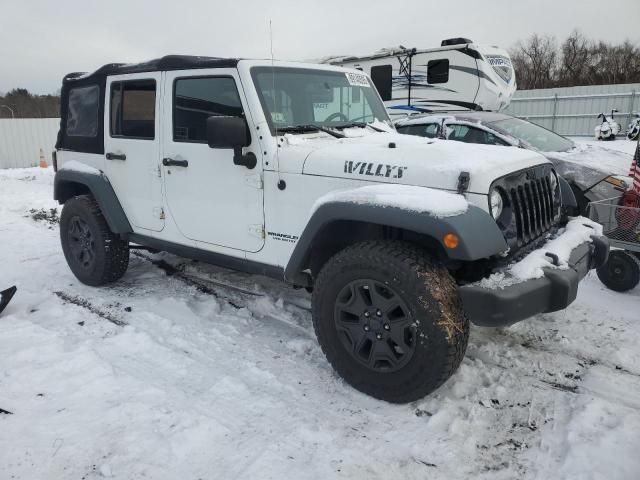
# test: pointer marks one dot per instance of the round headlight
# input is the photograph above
(496, 203)
(553, 179)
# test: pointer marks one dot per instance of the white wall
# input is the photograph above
(22, 138)
(574, 110)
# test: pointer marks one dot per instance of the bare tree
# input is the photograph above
(539, 63)
(22, 104)
(574, 59)
(536, 61)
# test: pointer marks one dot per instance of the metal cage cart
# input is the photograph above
(621, 224)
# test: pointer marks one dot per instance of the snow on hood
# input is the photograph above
(599, 159)
(578, 231)
(378, 157)
(436, 203)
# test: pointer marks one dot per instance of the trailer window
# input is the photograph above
(82, 117)
(198, 98)
(438, 71)
(133, 109)
(382, 76)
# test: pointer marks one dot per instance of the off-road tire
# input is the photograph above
(621, 272)
(429, 292)
(111, 253)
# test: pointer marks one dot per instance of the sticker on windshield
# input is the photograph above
(357, 79)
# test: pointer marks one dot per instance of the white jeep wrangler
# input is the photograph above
(294, 171)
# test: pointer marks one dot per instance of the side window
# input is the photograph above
(494, 140)
(381, 76)
(429, 130)
(438, 71)
(82, 116)
(198, 98)
(467, 134)
(133, 109)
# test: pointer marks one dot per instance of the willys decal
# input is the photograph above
(374, 169)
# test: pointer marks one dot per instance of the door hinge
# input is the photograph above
(158, 212)
(254, 180)
(256, 231)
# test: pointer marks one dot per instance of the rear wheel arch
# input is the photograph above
(64, 190)
(72, 183)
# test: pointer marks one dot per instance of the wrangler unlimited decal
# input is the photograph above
(373, 169)
(283, 237)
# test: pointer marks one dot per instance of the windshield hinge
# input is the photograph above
(463, 182)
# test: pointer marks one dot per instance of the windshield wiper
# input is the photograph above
(361, 125)
(310, 127)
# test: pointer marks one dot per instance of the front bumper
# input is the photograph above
(557, 289)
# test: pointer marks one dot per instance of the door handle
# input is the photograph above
(169, 162)
(116, 156)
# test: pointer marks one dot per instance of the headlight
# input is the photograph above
(553, 180)
(496, 203)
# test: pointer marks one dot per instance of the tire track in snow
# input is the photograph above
(223, 292)
(88, 305)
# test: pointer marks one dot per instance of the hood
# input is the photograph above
(405, 159)
(587, 164)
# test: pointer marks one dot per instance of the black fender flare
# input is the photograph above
(566, 192)
(480, 237)
(69, 183)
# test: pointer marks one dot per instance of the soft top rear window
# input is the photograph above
(82, 117)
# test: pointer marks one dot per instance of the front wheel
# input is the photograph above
(93, 252)
(390, 320)
(621, 272)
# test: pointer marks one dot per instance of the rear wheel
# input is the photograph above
(390, 320)
(621, 272)
(93, 252)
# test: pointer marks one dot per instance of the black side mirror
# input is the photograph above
(231, 132)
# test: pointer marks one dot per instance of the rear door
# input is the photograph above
(132, 146)
(210, 199)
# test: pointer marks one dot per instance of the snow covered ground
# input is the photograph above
(620, 145)
(171, 373)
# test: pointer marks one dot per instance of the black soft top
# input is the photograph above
(168, 62)
(95, 142)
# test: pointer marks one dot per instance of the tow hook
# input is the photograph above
(554, 258)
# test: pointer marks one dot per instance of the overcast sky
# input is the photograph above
(41, 40)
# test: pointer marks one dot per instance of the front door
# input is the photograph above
(210, 199)
(132, 146)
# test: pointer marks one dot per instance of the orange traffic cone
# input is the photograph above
(43, 162)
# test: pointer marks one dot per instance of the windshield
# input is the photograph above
(294, 97)
(538, 137)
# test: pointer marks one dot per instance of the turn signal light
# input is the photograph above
(451, 240)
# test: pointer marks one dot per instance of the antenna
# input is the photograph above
(273, 96)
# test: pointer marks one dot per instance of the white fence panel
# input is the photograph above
(574, 110)
(22, 138)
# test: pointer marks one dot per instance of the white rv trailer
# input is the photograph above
(459, 75)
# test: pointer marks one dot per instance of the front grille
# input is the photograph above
(532, 208)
